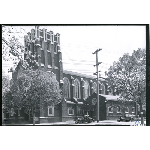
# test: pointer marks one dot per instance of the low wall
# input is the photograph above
(68, 118)
(49, 119)
(112, 117)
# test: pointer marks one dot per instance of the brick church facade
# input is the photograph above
(79, 90)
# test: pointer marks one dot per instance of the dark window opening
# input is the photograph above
(41, 33)
(47, 45)
(42, 57)
(48, 36)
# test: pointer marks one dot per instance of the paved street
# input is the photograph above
(104, 122)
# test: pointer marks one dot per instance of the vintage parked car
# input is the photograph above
(126, 118)
(84, 119)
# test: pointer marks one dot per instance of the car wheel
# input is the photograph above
(76, 122)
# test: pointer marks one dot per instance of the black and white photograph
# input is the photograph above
(74, 75)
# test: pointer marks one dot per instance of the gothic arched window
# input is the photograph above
(77, 88)
(66, 87)
(86, 90)
(94, 87)
(89, 90)
(102, 88)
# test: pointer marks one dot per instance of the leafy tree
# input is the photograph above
(12, 49)
(5, 83)
(5, 87)
(34, 89)
(128, 77)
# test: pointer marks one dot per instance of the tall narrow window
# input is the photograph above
(42, 58)
(37, 30)
(133, 109)
(55, 48)
(102, 89)
(86, 89)
(55, 38)
(52, 37)
(48, 35)
(49, 58)
(41, 33)
(77, 88)
(50, 111)
(66, 87)
(47, 44)
(89, 90)
(94, 87)
(45, 34)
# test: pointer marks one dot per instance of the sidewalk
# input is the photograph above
(71, 122)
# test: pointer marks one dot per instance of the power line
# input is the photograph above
(72, 61)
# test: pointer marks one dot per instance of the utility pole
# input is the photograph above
(97, 63)
(141, 110)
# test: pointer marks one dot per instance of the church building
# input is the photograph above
(79, 90)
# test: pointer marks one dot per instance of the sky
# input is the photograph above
(79, 42)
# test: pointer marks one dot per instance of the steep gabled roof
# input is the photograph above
(82, 75)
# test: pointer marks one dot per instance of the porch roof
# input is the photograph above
(110, 97)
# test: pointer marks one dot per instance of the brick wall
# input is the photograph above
(114, 115)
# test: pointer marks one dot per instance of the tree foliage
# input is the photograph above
(35, 88)
(12, 48)
(5, 87)
(128, 76)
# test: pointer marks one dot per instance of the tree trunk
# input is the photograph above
(33, 118)
(29, 116)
